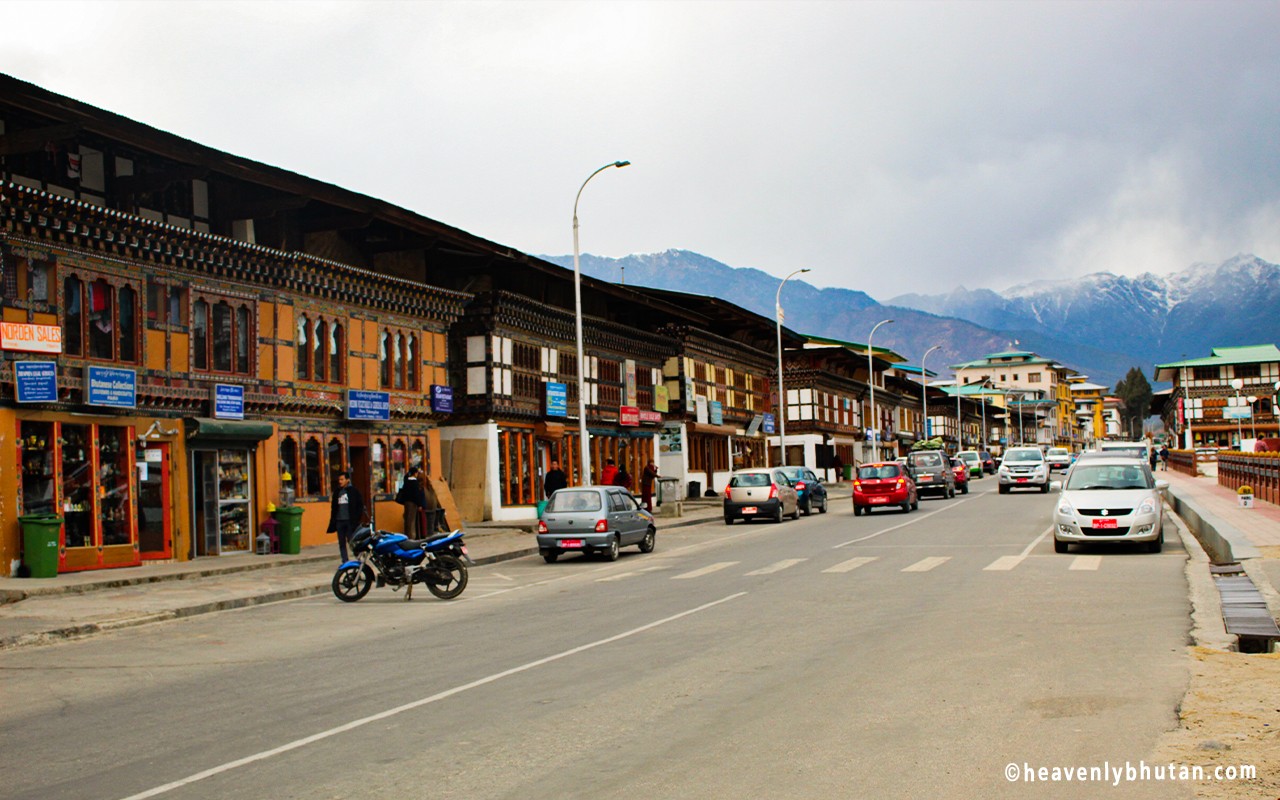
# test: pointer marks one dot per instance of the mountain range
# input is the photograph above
(1099, 325)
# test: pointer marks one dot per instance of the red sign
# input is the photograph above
(650, 417)
(30, 338)
(629, 416)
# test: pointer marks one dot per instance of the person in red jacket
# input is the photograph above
(609, 472)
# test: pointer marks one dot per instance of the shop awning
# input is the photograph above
(214, 431)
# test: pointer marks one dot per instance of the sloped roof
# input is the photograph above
(1222, 356)
(881, 352)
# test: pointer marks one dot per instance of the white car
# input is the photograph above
(1113, 499)
(1023, 466)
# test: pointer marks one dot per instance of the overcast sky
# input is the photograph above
(889, 147)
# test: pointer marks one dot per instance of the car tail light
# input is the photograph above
(773, 491)
(902, 482)
(602, 526)
(728, 493)
(857, 484)
(800, 486)
(542, 526)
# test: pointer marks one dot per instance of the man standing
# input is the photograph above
(647, 478)
(346, 510)
(554, 480)
(414, 500)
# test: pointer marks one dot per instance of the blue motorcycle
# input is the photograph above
(395, 560)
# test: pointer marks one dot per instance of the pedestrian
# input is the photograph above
(1153, 457)
(606, 474)
(1164, 457)
(622, 478)
(554, 480)
(838, 463)
(414, 500)
(647, 479)
(346, 511)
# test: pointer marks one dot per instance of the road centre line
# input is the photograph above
(904, 524)
(391, 712)
(777, 567)
(1027, 550)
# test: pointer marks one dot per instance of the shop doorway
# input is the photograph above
(222, 491)
(155, 523)
(362, 477)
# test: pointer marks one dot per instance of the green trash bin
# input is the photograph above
(290, 530)
(848, 472)
(40, 534)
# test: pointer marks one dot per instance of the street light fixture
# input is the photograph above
(584, 443)
(959, 418)
(924, 399)
(1238, 384)
(782, 395)
(871, 377)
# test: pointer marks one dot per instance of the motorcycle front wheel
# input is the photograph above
(352, 582)
(450, 566)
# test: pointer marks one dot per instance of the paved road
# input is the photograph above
(884, 656)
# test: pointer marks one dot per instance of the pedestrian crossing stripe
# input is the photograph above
(851, 564)
(1004, 564)
(778, 567)
(707, 570)
(1086, 562)
(926, 564)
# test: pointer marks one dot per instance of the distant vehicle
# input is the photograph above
(760, 494)
(808, 488)
(931, 470)
(594, 519)
(882, 484)
(988, 462)
(1058, 457)
(1131, 449)
(1023, 467)
(961, 471)
(973, 460)
(1110, 499)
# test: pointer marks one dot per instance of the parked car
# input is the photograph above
(760, 494)
(961, 470)
(931, 470)
(883, 484)
(1058, 458)
(808, 488)
(1112, 499)
(594, 519)
(1023, 467)
(972, 459)
(988, 462)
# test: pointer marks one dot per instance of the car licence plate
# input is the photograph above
(1022, 480)
(924, 476)
(1106, 523)
(749, 510)
(879, 499)
(571, 544)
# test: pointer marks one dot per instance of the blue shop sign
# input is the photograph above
(36, 381)
(717, 412)
(768, 426)
(368, 406)
(228, 401)
(557, 400)
(111, 386)
(441, 399)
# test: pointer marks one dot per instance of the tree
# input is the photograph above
(1135, 395)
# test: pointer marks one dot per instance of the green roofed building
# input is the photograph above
(1223, 398)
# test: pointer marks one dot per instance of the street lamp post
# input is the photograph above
(782, 395)
(1253, 425)
(1238, 384)
(584, 442)
(983, 444)
(924, 398)
(871, 378)
(959, 418)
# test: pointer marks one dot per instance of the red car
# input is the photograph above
(961, 470)
(883, 484)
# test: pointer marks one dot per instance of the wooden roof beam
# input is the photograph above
(31, 141)
(159, 181)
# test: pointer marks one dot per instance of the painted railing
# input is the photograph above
(1261, 471)
(1183, 461)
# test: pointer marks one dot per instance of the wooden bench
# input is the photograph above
(1244, 610)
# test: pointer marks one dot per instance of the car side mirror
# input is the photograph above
(1162, 485)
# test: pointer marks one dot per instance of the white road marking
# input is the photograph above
(707, 570)
(1086, 562)
(777, 567)
(391, 712)
(913, 519)
(631, 574)
(1004, 564)
(926, 564)
(1027, 550)
(851, 564)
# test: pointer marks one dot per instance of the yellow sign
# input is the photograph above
(660, 398)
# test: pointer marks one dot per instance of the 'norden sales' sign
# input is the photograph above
(30, 338)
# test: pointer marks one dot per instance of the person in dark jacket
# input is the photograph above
(345, 512)
(554, 480)
(414, 500)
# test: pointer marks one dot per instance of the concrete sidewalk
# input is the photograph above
(36, 611)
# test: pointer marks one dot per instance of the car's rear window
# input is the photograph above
(750, 479)
(926, 459)
(569, 500)
(882, 471)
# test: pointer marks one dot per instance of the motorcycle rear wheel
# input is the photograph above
(353, 582)
(457, 571)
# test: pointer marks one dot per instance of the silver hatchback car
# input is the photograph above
(760, 493)
(1112, 499)
(594, 519)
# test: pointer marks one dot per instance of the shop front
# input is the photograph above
(222, 454)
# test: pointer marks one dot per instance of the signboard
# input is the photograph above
(30, 338)
(441, 399)
(661, 398)
(228, 401)
(754, 426)
(700, 404)
(629, 382)
(717, 412)
(368, 406)
(670, 440)
(35, 381)
(628, 416)
(1237, 412)
(650, 417)
(768, 425)
(557, 399)
(111, 386)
